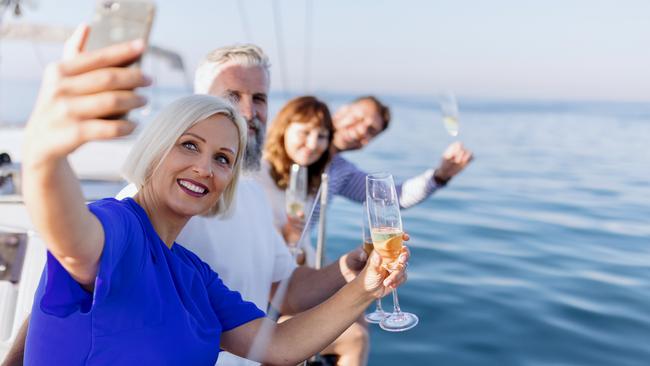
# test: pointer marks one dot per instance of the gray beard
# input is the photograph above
(253, 154)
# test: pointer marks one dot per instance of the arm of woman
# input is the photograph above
(76, 97)
(309, 332)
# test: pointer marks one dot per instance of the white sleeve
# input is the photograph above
(417, 189)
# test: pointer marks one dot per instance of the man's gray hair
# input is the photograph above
(213, 63)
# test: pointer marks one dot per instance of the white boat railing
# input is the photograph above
(22, 257)
(322, 220)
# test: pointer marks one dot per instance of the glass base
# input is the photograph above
(399, 322)
(375, 317)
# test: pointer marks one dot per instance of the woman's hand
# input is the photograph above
(377, 280)
(291, 231)
(294, 227)
(78, 96)
(354, 261)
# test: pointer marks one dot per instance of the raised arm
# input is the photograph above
(76, 98)
(293, 341)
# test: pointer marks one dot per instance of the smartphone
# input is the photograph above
(118, 21)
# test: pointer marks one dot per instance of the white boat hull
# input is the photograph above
(95, 160)
(16, 298)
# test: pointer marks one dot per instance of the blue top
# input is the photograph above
(151, 305)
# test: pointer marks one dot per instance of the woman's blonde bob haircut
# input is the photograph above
(160, 135)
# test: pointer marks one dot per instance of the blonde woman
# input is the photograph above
(116, 288)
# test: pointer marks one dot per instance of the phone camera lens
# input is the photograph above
(111, 5)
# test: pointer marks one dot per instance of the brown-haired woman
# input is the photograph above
(300, 134)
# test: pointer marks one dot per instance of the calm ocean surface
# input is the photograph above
(537, 254)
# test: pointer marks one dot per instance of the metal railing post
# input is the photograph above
(320, 246)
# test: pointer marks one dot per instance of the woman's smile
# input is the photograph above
(193, 188)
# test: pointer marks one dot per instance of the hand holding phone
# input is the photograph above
(79, 95)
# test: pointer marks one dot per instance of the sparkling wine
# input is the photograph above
(293, 208)
(388, 243)
(451, 124)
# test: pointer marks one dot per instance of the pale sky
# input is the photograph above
(516, 49)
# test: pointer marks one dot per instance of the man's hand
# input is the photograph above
(455, 158)
(351, 263)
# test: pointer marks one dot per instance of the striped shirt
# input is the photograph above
(346, 180)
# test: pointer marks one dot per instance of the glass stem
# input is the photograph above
(378, 308)
(396, 308)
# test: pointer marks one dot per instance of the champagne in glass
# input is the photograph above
(386, 230)
(296, 193)
(378, 314)
(296, 199)
(450, 116)
(388, 243)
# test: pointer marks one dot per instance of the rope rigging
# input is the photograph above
(277, 25)
(307, 46)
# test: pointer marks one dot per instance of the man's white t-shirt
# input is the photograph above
(245, 249)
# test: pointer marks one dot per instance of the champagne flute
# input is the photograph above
(378, 314)
(296, 199)
(386, 231)
(449, 110)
